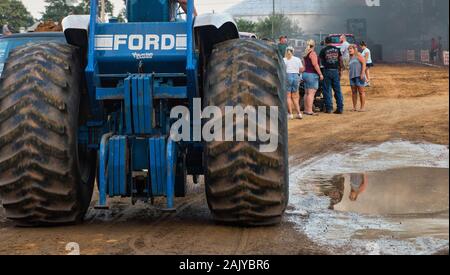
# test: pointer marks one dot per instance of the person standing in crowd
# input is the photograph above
(294, 68)
(311, 76)
(332, 62)
(357, 71)
(369, 63)
(344, 51)
(358, 185)
(433, 50)
(440, 51)
(282, 45)
(5, 30)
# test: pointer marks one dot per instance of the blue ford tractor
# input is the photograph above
(97, 109)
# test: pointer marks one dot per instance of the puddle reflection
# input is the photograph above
(408, 191)
(401, 211)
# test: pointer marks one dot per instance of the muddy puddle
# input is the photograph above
(386, 199)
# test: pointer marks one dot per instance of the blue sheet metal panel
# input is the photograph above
(113, 54)
(102, 172)
(152, 159)
(140, 107)
(148, 104)
(128, 111)
(138, 98)
(117, 169)
(117, 166)
(104, 152)
(170, 172)
(142, 103)
(135, 104)
(154, 172)
(110, 172)
(122, 163)
(158, 165)
(163, 170)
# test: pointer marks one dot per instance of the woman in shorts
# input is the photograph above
(357, 74)
(368, 56)
(311, 76)
(294, 67)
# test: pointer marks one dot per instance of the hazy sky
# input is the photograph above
(36, 7)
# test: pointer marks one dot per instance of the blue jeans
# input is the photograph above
(293, 82)
(311, 81)
(357, 82)
(332, 81)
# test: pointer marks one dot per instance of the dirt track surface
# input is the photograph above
(405, 102)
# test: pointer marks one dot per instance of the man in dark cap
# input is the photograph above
(332, 61)
(282, 45)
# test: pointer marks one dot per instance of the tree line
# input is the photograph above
(15, 14)
(271, 27)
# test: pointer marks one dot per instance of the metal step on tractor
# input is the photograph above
(100, 108)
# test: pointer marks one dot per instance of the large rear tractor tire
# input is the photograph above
(243, 185)
(45, 177)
